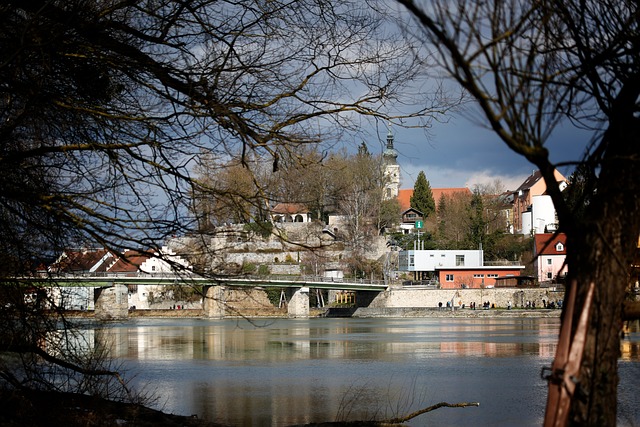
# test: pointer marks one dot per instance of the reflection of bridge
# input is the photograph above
(111, 292)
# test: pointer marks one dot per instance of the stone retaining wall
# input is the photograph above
(497, 297)
(434, 312)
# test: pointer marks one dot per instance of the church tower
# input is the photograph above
(391, 169)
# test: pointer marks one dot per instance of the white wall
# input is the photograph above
(158, 265)
(402, 297)
(73, 297)
(432, 259)
(543, 214)
(162, 298)
(526, 225)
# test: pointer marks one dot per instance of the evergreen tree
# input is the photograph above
(422, 198)
(581, 190)
(477, 223)
(442, 225)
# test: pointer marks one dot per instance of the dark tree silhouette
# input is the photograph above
(106, 108)
(531, 65)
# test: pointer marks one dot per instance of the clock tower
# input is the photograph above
(391, 169)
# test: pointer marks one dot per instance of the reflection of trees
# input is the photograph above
(495, 349)
(630, 348)
(281, 343)
(242, 359)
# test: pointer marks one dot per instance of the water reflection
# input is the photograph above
(630, 347)
(299, 371)
(286, 340)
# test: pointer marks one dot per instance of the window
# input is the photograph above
(153, 268)
(478, 276)
(459, 260)
(549, 275)
(431, 256)
(559, 247)
(411, 260)
(492, 276)
(449, 278)
(549, 262)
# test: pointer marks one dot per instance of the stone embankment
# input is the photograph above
(415, 297)
(362, 312)
(394, 302)
(465, 312)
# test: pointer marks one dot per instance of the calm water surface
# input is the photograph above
(284, 372)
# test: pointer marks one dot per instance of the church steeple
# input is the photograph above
(392, 169)
(390, 154)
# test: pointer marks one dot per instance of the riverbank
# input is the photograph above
(34, 408)
(362, 312)
(443, 312)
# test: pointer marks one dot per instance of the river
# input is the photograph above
(291, 371)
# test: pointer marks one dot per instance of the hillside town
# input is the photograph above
(403, 254)
(236, 165)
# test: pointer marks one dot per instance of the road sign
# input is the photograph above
(419, 224)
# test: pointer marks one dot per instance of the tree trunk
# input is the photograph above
(601, 250)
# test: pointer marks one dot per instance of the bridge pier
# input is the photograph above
(299, 303)
(111, 302)
(214, 305)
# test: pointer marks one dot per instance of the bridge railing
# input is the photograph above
(189, 275)
(165, 274)
(317, 279)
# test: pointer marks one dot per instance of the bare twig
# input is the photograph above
(428, 409)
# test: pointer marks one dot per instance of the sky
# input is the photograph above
(461, 153)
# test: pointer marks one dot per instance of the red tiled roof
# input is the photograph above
(535, 177)
(129, 262)
(404, 196)
(82, 260)
(100, 260)
(289, 208)
(545, 244)
(530, 181)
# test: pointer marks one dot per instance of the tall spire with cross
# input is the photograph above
(390, 154)
(391, 168)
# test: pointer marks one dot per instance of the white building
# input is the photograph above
(530, 214)
(541, 218)
(435, 259)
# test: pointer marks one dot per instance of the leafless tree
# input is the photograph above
(453, 222)
(531, 65)
(360, 185)
(107, 106)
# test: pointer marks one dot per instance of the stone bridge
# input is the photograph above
(111, 292)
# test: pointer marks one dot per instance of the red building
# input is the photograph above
(475, 277)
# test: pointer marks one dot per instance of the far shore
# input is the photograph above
(363, 312)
